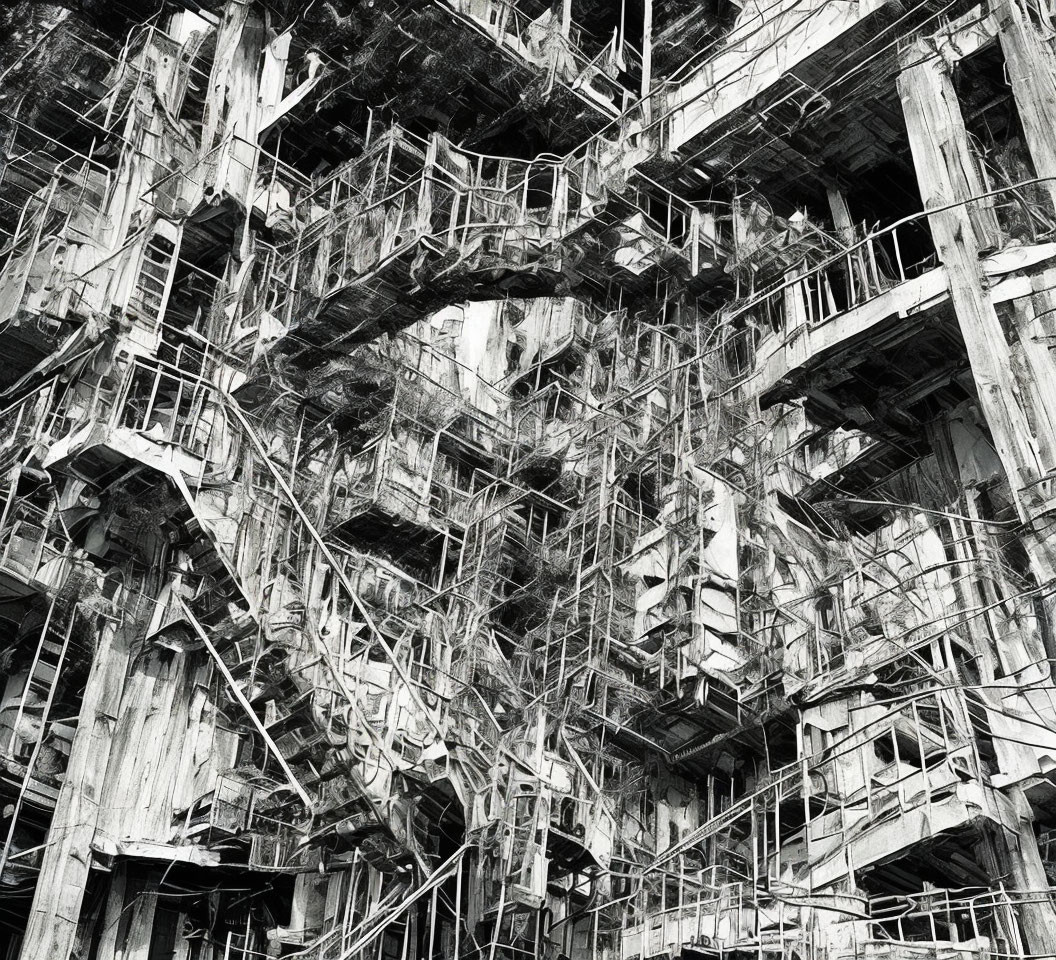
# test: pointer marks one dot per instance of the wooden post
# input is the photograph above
(947, 174)
(111, 916)
(1020, 860)
(566, 18)
(841, 220)
(647, 58)
(841, 215)
(141, 924)
(1031, 64)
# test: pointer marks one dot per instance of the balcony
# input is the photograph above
(42, 779)
(171, 409)
(33, 556)
(954, 924)
(155, 413)
(43, 298)
(866, 298)
(28, 422)
(910, 819)
(717, 912)
(226, 811)
(39, 702)
(581, 835)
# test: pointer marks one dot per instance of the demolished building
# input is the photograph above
(507, 481)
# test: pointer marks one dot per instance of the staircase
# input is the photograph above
(465, 211)
(156, 268)
(33, 722)
(308, 702)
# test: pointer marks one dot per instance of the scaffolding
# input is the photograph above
(408, 550)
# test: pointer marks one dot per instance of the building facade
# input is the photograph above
(528, 482)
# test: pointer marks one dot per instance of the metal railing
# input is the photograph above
(863, 271)
(29, 545)
(964, 923)
(405, 190)
(28, 420)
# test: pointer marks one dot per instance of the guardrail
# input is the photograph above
(868, 268)
(972, 919)
(168, 407)
(28, 545)
(28, 420)
(405, 190)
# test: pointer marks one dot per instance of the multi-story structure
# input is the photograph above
(491, 481)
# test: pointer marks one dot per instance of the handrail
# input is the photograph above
(520, 168)
(331, 559)
(243, 702)
(862, 246)
(183, 417)
(791, 771)
(882, 908)
(436, 205)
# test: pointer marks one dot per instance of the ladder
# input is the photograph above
(156, 270)
(47, 664)
(39, 690)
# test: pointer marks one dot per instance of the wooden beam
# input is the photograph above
(1031, 64)
(841, 220)
(647, 58)
(141, 924)
(947, 173)
(841, 214)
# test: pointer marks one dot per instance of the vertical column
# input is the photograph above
(53, 917)
(1014, 853)
(647, 59)
(854, 263)
(948, 179)
(141, 923)
(1031, 63)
